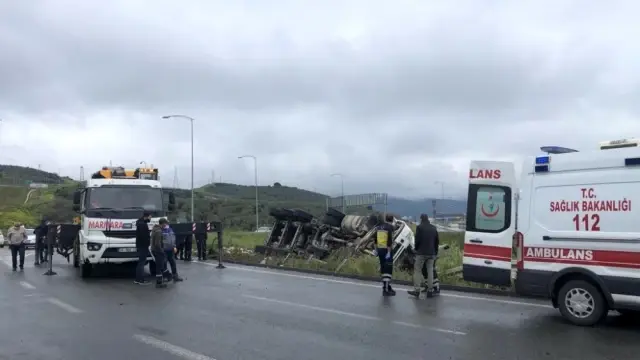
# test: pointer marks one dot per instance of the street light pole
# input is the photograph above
(191, 121)
(441, 188)
(341, 190)
(255, 170)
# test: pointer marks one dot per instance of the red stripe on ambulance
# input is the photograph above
(624, 259)
(487, 252)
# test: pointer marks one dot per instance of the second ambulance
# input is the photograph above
(568, 230)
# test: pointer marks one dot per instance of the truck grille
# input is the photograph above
(126, 234)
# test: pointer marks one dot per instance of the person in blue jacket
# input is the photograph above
(170, 251)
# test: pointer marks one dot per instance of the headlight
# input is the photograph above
(93, 246)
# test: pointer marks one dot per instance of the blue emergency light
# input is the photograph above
(542, 160)
(542, 164)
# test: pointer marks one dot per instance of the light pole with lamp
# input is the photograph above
(255, 169)
(341, 190)
(191, 121)
(441, 193)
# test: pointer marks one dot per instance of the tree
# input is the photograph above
(277, 184)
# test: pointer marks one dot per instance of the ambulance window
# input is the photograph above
(488, 208)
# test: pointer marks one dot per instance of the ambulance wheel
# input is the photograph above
(86, 270)
(582, 303)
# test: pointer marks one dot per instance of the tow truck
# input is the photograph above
(109, 205)
(567, 231)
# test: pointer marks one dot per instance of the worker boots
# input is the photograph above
(388, 291)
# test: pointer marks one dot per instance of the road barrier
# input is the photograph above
(201, 229)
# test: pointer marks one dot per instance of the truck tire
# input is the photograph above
(302, 216)
(332, 221)
(76, 253)
(86, 270)
(582, 303)
(337, 214)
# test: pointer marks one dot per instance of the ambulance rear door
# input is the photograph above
(491, 209)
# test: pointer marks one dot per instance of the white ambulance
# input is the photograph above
(568, 231)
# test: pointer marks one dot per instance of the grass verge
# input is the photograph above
(239, 246)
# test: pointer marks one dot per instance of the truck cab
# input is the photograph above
(109, 206)
(567, 231)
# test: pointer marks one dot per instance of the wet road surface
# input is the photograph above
(251, 313)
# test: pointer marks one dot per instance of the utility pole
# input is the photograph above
(341, 191)
(255, 166)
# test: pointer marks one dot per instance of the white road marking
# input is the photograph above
(170, 348)
(347, 282)
(70, 308)
(345, 313)
(26, 285)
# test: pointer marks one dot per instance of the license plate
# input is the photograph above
(127, 250)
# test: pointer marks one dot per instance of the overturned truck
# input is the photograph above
(296, 232)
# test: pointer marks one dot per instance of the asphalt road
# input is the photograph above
(250, 313)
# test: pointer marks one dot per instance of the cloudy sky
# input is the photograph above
(395, 95)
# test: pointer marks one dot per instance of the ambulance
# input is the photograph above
(568, 231)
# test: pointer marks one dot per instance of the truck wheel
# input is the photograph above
(152, 268)
(582, 303)
(76, 254)
(86, 270)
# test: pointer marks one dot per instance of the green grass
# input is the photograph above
(239, 246)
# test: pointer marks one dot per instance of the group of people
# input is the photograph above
(161, 242)
(427, 243)
(17, 237)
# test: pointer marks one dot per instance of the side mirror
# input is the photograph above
(77, 197)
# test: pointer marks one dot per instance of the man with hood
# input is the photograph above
(17, 235)
(427, 242)
(170, 251)
(157, 251)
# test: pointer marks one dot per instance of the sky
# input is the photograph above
(397, 96)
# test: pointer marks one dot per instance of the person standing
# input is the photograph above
(170, 251)
(40, 232)
(188, 247)
(427, 242)
(143, 241)
(17, 235)
(201, 243)
(157, 251)
(384, 244)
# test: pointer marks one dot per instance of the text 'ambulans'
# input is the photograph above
(549, 253)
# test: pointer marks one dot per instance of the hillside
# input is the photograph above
(233, 204)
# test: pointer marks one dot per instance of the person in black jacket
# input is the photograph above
(384, 247)
(427, 242)
(143, 242)
(40, 232)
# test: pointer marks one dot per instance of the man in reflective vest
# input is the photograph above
(384, 247)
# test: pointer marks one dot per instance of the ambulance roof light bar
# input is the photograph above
(557, 150)
(618, 144)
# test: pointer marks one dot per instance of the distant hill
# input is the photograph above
(414, 208)
(233, 204)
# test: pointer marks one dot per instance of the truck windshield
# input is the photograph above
(127, 200)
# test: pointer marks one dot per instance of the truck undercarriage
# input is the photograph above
(298, 233)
